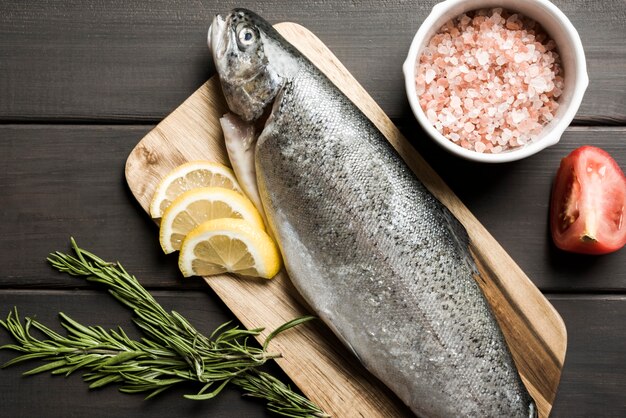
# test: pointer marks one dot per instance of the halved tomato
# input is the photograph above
(588, 203)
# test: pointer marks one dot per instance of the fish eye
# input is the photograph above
(246, 36)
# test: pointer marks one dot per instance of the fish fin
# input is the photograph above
(278, 100)
(240, 138)
(345, 342)
(460, 236)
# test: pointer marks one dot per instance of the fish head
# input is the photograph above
(238, 43)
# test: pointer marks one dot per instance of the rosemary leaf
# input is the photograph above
(203, 395)
(171, 352)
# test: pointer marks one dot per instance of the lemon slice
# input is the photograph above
(189, 176)
(196, 206)
(229, 245)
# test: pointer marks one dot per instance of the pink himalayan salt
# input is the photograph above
(489, 80)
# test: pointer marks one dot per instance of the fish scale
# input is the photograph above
(382, 262)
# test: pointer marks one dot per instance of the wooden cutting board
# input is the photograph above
(312, 356)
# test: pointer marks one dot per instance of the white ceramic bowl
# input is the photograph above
(569, 46)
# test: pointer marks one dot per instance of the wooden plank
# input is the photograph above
(56, 396)
(58, 181)
(121, 60)
(535, 332)
(45, 201)
(592, 383)
(512, 202)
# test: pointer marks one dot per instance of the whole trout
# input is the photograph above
(381, 261)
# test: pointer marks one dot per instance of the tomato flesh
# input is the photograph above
(588, 203)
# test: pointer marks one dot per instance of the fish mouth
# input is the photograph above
(216, 37)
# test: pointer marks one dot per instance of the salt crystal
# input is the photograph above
(454, 136)
(469, 77)
(469, 127)
(455, 101)
(431, 115)
(512, 22)
(517, 117)
(519, 57)
(482, 57)
(539, 84)
(450, 119)
(429, 76)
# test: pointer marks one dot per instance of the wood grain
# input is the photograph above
(592, 383)
(593, 338)
(512, 202)
(129, 63)
(55, 396)
(58, 181)
(45, 201)
(121, 60)
(534, 330)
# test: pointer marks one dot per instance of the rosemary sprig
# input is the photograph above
(172, 352)
(281, 399)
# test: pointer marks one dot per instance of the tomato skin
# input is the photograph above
(588, 203)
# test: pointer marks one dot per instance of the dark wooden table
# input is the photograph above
(82, 81)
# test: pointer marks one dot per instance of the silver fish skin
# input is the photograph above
(381, 261)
